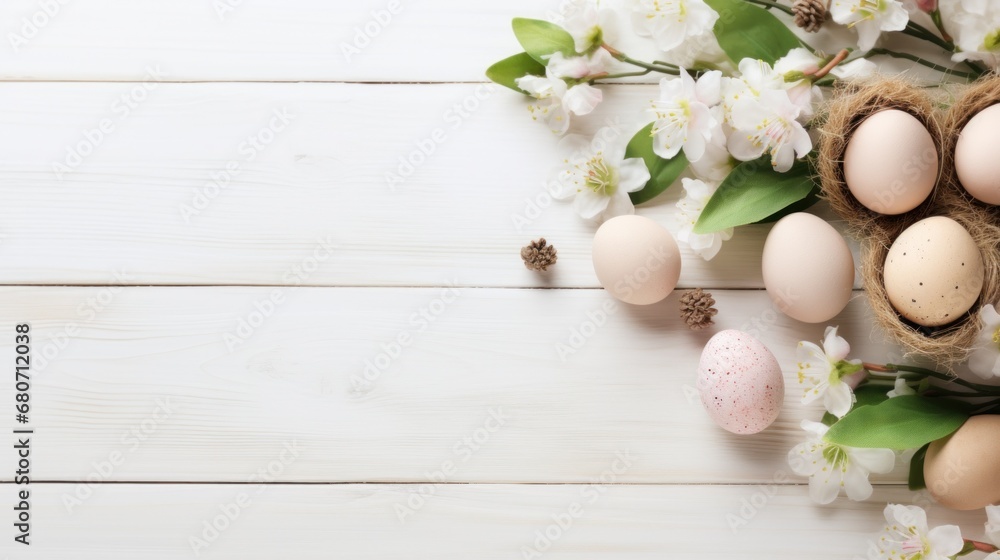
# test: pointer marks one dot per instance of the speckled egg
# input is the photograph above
(740, 382)
(934, 272)
(961, 470)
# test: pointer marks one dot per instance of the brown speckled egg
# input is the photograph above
(740, 382)
(934, 272)
(961, 470)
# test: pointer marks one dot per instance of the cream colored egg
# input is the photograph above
(891, 162)
(977, 157)
(934, 272)
(740, 382)
(636, 259)
(961, 470)
(808, 268)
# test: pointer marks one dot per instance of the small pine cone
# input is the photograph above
(809, 14)
(538, 255)
(697, 309)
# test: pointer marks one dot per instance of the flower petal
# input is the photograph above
(872, 459)
(632, 175)
(856, 484)
(946, 540)
(838, 399)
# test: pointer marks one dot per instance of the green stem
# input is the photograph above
(769, 4)
(622, 75)
(943, 69)
(981, 546)
(921, 32)
(939, 23)
(988, 389)
(618, 55)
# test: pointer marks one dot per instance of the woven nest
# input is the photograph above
(947, 345)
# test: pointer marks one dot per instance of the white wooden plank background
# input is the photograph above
(110, 359)
(457, 522)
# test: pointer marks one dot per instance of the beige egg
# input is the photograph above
(636, 259)
(977, 158)
(934, 272)
(808, 268)
(891, 162)
(961, 470)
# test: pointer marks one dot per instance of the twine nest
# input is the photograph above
(950, 344)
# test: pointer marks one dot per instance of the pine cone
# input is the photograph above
(809, 14)
(697, 309)
(538, 255)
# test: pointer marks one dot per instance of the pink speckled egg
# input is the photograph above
(740, 382)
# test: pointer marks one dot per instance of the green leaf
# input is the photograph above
(662, 172)
(829, 419)
(868, 395)
(800, 206)
(541, 39)
(748, 31)
(905, 422)
(916, 479)
(507, 71)
(752, 192)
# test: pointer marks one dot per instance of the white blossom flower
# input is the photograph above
(696, 196)
(984, 360)
(976, 27)
(822, 371)
(906, 536)
(578, 67)
(755, 76)
(900, 389)
(993, 524)
(767, 125)
(686, 114)
(870, 18)
(716, 163)
(672, 22)
(831, 467)
(598, 177)
(557, 101)
(589, 24)
(796, 67)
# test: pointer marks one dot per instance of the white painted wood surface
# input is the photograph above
(137, 394)
(570, 383)
(457, 522)
(156, 201)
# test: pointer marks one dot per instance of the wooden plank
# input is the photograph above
(153, 201)
(292, 40)
(265, 40)
(599, 521)
(388, 385)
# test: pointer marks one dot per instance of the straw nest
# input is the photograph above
(851, 105)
